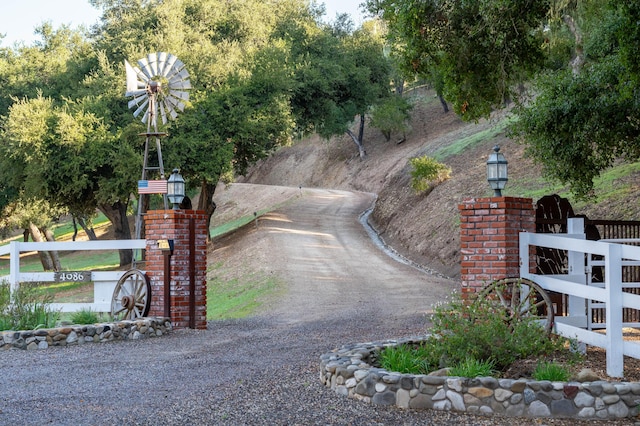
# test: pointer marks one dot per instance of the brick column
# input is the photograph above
(187, 267)
(489, 240)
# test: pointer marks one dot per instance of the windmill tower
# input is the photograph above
(158, 87)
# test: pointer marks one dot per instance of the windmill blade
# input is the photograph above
(137, 94)
(175, 69)
(142, 79)
(171, 59)
(141, 108)
(180, 85)
(145, 117)
(163, 114)
(175, 103)
(171, 110)
(132, 78)
(137, 101)
(179, 94)
(146, 68)
(153, 64)
(162, 60)
(181, 76)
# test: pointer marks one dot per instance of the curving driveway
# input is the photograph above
(340, 288)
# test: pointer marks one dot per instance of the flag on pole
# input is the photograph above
(152, 187)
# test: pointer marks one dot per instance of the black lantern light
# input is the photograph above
(175, 189)
(497, 171)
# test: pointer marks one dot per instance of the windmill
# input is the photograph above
(158, 87)
(159, 84)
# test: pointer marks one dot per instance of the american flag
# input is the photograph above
(152, 187)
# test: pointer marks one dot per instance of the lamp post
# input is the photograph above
(497, 171)
(175, 189)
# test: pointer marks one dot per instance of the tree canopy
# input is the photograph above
(579, 57)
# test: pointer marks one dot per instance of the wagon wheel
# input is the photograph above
(521, 299)
(132, 296)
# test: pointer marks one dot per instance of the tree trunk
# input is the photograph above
(75, 228)
(399, 85)
(445, 107)
(89, 231)
(36, 236)
(577, 62)
(55, 257)
(358, 143)
(361, 129)
(117, 215)
(206, 203)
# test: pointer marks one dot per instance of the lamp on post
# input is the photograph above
(175, 189)
(497, 171)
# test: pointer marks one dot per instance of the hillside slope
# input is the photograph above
(424, 228)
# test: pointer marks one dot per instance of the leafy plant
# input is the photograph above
(30, 308)
(85, 316)
(405, 359)
(551, 371)
(427, 173)
(392, 116)
(471, 367)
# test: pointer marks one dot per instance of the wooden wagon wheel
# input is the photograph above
(521, 299)
(132, 296)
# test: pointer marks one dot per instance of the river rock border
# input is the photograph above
(80, 334)
(349, 371)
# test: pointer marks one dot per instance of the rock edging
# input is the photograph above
(80, 334)
(349, 372)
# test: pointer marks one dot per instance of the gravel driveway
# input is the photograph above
(259, 371)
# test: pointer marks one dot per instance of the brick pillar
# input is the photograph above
(185, 265)
(489, 240)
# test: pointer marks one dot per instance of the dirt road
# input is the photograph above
(263, 370)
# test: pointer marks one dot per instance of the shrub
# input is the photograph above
(30, 309)
(478, 330)
(551, 371)
(471, 367)
(85, 316)
(427, 173)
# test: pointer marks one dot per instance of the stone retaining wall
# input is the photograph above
(349, 372)
(80, 334)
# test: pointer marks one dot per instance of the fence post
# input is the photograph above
(14, 266)
(613, 312)
(577, 308)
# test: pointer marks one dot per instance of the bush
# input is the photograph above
(427, 173)
(30, 308)
(85, 316)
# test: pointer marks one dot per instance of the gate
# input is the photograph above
(552, 212)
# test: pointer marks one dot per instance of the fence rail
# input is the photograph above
(104, 282)
(576, 286)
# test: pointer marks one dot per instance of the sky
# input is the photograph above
(18, 18)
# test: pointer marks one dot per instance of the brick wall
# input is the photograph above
(175, 225)
(489, 240)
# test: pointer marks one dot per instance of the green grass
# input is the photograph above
(469, 141)
(551, 371)
(472, 368)
(235, 224)
(240, 296)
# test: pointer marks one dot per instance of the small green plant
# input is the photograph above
(427, 173)
(405, 359)
(392, 115)
(29, 309)
(85, 316)
(551, 371)
(471, 367)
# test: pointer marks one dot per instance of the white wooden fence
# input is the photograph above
(576, 285)
(103, 282)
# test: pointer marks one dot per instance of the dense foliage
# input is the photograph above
(579, 60)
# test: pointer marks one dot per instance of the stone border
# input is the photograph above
(348, 371)
(80, 334)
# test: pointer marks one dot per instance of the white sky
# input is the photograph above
(18, 18)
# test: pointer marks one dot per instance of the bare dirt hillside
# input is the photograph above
(423, 228)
